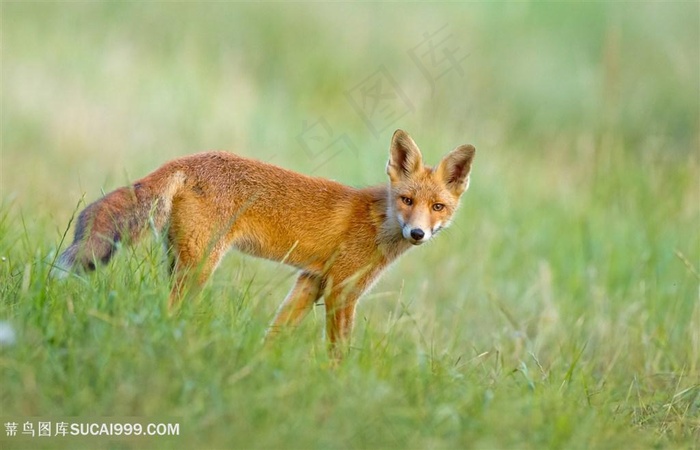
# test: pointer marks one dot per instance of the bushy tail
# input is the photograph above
(120, 216)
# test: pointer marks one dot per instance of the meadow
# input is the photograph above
(561, 309)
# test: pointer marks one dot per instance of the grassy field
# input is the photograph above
(561, 310)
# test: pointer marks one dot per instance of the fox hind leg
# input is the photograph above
(192, 261)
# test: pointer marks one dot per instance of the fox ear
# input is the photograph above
(404, 156)
(455, 167)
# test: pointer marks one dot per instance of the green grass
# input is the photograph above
(561, 310)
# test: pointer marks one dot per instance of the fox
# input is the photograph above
(339, 238)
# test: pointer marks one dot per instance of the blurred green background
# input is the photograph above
(560, 310)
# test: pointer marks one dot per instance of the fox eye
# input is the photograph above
(438, 207)
(407, 200)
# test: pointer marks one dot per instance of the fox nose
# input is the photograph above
(417, 234)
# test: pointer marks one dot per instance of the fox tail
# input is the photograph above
(122, 216)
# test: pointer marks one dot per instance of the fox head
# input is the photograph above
(421, 198)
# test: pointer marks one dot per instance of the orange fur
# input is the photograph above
(341, 238)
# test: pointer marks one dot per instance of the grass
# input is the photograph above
(561, 310)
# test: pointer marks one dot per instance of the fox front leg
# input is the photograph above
(307, 290)
(340, 320)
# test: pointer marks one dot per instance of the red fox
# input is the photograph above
(340, 238)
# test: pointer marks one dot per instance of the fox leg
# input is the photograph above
(298, 303)
(190, 274)
(192, 263)
(340, 319)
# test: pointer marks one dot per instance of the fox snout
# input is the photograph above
(416, 235)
